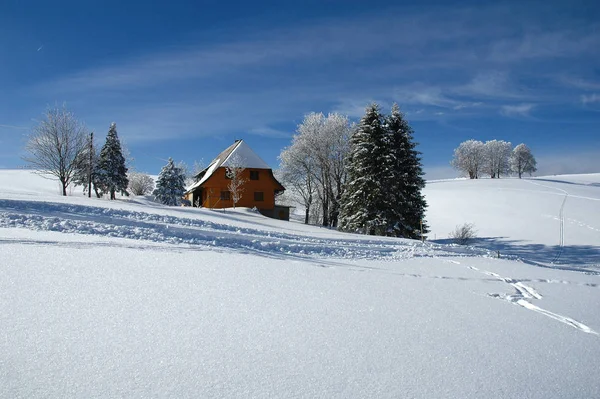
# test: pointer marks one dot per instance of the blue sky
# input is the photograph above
(184, 79)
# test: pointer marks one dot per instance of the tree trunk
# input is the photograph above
(306, 214)
(325, 212)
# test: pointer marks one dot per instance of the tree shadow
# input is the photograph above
(569, 257)
(567, 182)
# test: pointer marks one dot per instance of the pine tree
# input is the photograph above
(112, 172)
(170, 185)
(363, 204)
(406, 212)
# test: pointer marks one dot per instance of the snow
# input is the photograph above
(249, 159)
(554, 221)
(128, 298)
(211, 169)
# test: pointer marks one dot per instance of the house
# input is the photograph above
(211, 187)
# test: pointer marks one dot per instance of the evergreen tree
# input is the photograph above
(364, 201)
(111, 171)
(406, 202)
(170, 185)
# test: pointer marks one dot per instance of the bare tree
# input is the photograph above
(235, 172)
(140, 183)
(56, 144)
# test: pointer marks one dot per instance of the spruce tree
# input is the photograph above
(407, 210)
(170, 185)
(112, 172)
(363, 204)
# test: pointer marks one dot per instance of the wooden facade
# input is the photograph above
(259, 190)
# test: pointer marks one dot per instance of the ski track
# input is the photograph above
(136, 225)
(561, 219)
(524, 296)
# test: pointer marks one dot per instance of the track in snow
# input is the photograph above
(561, 220)
(525, 294)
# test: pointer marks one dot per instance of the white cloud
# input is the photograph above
(565, 43)
(270, 132)
(14, 127)
(591, 98)
(517, 110)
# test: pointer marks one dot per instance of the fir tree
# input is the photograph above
(170, 185)
(111, 171)
(407, 210)
(363, 204)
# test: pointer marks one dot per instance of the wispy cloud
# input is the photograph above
(546, 45)
(517, 110)
(591, 98)
(265, 131)
(14, 127)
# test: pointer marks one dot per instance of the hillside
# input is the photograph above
(132, 299)
(554, 221)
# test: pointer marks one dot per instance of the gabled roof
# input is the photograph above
(238, 150)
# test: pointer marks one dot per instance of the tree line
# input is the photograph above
(61, 146)
(494, 158)
(365, 177)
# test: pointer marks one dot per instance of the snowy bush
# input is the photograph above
(464, 233)
(140, 183)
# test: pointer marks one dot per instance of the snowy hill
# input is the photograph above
(550, 220)
(132, 299)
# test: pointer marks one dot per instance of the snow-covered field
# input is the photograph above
(132, 299)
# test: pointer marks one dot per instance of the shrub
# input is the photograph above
(464, 233)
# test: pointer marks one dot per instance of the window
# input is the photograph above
(225, 195)
(254, 175)
(259, 196)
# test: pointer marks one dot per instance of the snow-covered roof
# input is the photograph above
(248, 158)
(237, 151)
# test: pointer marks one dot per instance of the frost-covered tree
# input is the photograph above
(522, 160)
(235, 173)
(406, 205)
(55, 146)
(497, 155)
(365, 201)
(112, 172)
(297, 175)
(86, 174)
(316, 158)
(140, 183)
(170, 185)
(469, 158)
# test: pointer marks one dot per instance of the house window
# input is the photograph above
(254, 175)
(225, 195)
(259, 196)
